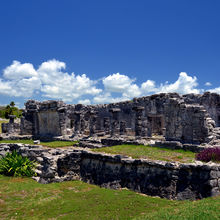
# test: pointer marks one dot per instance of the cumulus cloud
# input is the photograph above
(107, 98)
(149, 87)
(119, 83)
(208, 84)
(126, 87)
(51, 80)
(84, 102)
(59, 84)
(19, 80)
(216, 90)
(17, 71)
(184, 84)
(22, 80)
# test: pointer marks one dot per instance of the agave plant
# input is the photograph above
(14, 164)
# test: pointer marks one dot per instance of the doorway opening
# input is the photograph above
(156, 125)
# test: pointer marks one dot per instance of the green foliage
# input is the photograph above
(12, 104)
(10, 110)
(13, 164)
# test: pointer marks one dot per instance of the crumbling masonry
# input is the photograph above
(189, 118)
(189, 122)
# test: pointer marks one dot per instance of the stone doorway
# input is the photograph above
(156, 125)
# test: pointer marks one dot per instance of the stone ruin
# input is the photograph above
(188, 119)
(189, 122)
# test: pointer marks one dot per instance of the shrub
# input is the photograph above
(13, 164)
(209, 154)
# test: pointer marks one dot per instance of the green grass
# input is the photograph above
(52, 144)
(147, 152)
(2, 121)
(23, 198)
(205, 209)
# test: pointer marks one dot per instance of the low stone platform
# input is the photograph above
(169, 180)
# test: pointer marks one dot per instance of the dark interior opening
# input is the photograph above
(218, 125)
(156, 124)
(71, 123)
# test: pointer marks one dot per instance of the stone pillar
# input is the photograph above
(77, 122)
(92, 122)
(164, 132)
(11, 119)
(83, 125)
(122, 127)
(106, 125)
(115, 121)
(138, 120)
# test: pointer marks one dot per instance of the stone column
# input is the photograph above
(82, 123)
(11, 119)
(138, 120)
(77, 122)
(92, 122)
(122, 127)
(115, 121)
(106, 125)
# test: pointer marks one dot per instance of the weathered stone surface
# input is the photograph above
(170, 180)
(188, 119)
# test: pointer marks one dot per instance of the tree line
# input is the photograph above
(10, 109)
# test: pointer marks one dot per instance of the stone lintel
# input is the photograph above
(114, 110)
(138, 108)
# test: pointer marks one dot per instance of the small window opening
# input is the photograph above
(71, 123)
(218, 121)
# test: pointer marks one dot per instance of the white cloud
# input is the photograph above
(17, 71)
(22, 80)
(84, 102)
(208, 84)
(58, 84)
(132, 91)
(117, 82)
(184, 84)
(51, 80)
(148, 87)
(19, 80)
(107, 98)
(216, 90)
(120, 84)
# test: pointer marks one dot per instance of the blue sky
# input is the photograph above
(107, 51)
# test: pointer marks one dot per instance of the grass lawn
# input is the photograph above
(52, 144)
(2, 121)
(154, 153)
(23, 198)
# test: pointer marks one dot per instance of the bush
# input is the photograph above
(209, 154)
(5, 111)
(13, 164)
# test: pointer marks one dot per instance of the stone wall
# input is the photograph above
(189, 119)
(10, 128)
(188, 123)
(156, 178)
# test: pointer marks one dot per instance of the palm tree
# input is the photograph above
(12, 103)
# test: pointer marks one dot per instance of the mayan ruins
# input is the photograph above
(189, 122)
(189, 118)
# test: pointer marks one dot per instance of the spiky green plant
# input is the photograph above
(14, 164)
